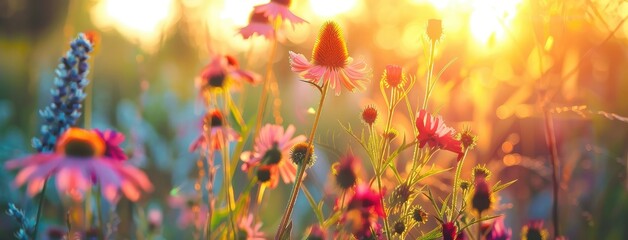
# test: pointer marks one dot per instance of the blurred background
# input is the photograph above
(510, 60)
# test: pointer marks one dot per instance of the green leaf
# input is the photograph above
(436, 233)
(498, 187)
(310, 199)
(474, 221)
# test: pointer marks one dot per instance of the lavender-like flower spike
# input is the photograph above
(26, 224)
(67, 94)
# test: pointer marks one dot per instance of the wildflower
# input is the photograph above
(464, 185)
(331, 62)
(272, 149)
(434, 132)
(363, 210)
(249, 231)
(369, 115)
(79, 161)
(434, 29)
(461, 236)
(67, 94)
(280, 10)
(299, 154)
(480, 172)
(393, 76)
(155, 218)
(391, 134)
(534, 231)
(55, 233)
(401, 195)
(192, 211)
(467, 139)
(399, 227)
(112, 140)
(218, 134)
(419, 215)
(450, 232)
(498, 230)
(346, 171)
(222, 71)
(481, 200)
(316, 233)
(258, 25)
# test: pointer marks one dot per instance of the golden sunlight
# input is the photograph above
(330, 8)
(491, 18)
(141, 21)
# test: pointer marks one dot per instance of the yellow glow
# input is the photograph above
(330, 8)
(491, 18)
(139, 20)
(238, 11)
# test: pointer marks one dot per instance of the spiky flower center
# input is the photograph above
(419, 215)
(330, 49)
(217, 80)
(369, 115)
(345, 177)
(393, 76)
(80, 143)
(272, 155)
(534, 234)
(400, 227)
(302, 153)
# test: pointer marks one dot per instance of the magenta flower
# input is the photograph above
(222, 72)
(363, 211)
(192, 211)
(450, 232)
(112, 140)
(272, 148)
(498, 230)
(219, 135)
(258, 25)
(81, 159)
(252, 231)
(279, 9)
(331, 62)
(434, 132)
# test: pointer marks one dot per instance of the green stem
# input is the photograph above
(380, 168)
(301, 169)
(227, 170)
(261, 108)
(454, 196)
(40, 207)
(430, 70)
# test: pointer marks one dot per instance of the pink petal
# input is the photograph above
(298, 63)
(260, 29)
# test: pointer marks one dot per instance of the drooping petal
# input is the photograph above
(259, 29)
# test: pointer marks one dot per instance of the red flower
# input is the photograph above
(363, 210)
(434, 132)
(449, 231)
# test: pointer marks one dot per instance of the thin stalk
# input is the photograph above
(430, 70)
(210, 188)
(301, 170)
(227, 170)
(454, 196)
(479, 225)
(101, 221)
(551, 144)
(197, 187)
(380, 168)
(40, 207)
(261, 108)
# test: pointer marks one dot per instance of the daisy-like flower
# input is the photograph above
(258, 25)
(331, 62)
(346, 171)
(363, 210)
(223, 71)
(434, 132)
(534, 231)
(192, 211)
(498, 230)
(249, 231)
(272, 150)
(81, 159)
(280, 10)
(213, 124)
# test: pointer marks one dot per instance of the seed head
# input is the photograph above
(391, 134)
(434, 29)
(464, 185)
(330, 49)
(467, 139)
(419, 215)
(400, 227)
(481, 200)
(480, 172)
(369, 115)
(299, 154)
(393, 76)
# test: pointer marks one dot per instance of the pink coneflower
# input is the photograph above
(450, 231)
(258, 25)
(331, 62)
(363, 210)
(81, 159)
(498, 230)
(272, 148)
(223, 71)
(112, 140)
(249, 231)
(192, 211)
(218, 133)
(279, 9)
(434, 132)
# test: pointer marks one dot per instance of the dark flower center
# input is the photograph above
(534, 234)
(242, 234)
(214, 119)
(79, 148)
(263, 175)
(190, 203)
(272, 156)
(345, 178)
(217, 80)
